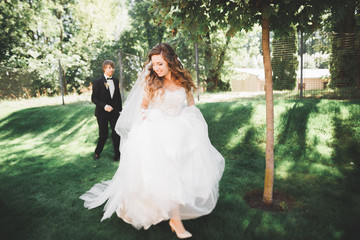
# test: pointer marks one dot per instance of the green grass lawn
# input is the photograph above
(46, 164)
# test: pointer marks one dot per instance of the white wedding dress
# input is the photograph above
(168, 167)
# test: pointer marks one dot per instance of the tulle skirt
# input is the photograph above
(168, 169)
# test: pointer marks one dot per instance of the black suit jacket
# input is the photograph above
(101, 97)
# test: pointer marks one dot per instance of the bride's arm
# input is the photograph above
(144, 106)
(190, 99)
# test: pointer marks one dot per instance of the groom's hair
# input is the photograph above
(108, 62)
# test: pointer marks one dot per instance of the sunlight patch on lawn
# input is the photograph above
(217, 117)
(285, 168)
(245, 223)
(270, 224)
(236, 138)
(322, 169)
(282, 168)
(326, 151)
(259, 114)
(321, 126)
(79, 128)
(344, 112)
(32, 145)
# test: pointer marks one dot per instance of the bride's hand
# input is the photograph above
(144, 113)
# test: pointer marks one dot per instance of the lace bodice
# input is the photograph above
(170, 102)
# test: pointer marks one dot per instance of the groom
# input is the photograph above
(106, 96)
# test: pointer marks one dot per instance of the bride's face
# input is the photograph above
(160, 66)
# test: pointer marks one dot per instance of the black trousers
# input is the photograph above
(103, 122)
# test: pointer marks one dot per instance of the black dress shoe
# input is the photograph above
(96, 156)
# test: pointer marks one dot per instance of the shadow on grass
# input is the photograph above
(45, 161)
(44, 182)
(346, 154)
(234, 135)
(291, 140)
(328, 196)
(45, 170)
(41, 197)
(346, 139)
(225, 119)
(239, 139)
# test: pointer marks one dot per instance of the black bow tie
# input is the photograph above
(109, 78)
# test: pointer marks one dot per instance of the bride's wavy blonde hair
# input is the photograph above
(181, 77)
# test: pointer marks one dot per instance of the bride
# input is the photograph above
(168, 168)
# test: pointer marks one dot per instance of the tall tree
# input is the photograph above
(243, 14)
(269, 155)
(277, 15)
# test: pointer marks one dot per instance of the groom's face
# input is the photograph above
(109, 70)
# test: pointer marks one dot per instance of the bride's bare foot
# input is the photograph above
(178, 227)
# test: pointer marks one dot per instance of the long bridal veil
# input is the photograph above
(131, 111)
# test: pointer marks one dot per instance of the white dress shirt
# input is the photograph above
(111, 84)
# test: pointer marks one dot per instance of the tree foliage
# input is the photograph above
(36, 34)
(284, 61)
(209, 32)
(343, 20)
(135, 42)
(39, 33)
(15, 22)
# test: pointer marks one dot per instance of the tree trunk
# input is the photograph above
(358, 77)
(61, 41)
(210, 82)
(269, 171)
(215, 66)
